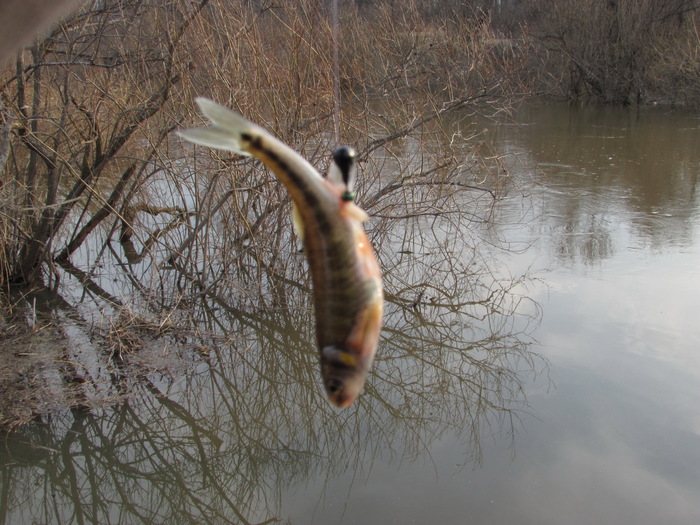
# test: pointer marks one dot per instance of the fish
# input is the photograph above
(346, 277)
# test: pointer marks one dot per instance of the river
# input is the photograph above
(574, 400)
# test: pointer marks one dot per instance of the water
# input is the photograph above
(575, 401)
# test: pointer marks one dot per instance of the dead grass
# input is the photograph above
(46, 369)
(126, 334)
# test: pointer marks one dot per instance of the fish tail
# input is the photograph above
(227, 129)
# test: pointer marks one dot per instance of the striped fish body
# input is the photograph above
(346, 278)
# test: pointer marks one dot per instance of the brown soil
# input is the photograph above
(46, 368)
(34, 378)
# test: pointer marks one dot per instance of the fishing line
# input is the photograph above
(336, 72)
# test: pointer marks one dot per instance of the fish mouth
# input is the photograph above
(340, 394)
(343, 402)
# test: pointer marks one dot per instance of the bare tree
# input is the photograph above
(75, 103)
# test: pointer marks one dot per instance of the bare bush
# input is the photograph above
(109, 205)
(608, 51)
(674, 75)
(78, 103)
(91, 106)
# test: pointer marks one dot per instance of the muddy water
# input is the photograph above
(555, 381)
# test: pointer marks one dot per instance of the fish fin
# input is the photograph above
(212, 137)
(335, 176)
(226, 130)
(354, 211)
(365, 335)
(297, 221)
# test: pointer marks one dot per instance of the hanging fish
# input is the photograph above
(347, 285)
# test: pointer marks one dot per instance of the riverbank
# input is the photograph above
(55, 361)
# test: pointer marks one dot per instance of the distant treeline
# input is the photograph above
(604, 51)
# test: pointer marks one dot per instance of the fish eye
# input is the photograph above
(333, 385)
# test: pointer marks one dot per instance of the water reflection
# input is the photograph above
(222, 439)
(221, 444)
(610, 177)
